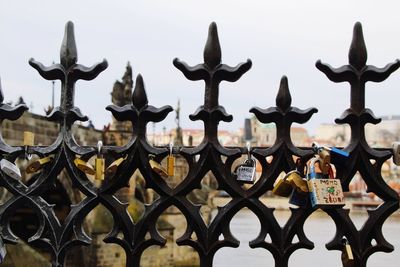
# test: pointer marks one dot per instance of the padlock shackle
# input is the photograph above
(311, 174)
(171, 147)
(99, 147)
(248, 146)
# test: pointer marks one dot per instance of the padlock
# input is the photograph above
(298, 199)
(298, 182)
(84, 166)
(112, 169)
(324, 191)
(10, 169)
(347, 254)
(396, 153)
(292, 180)
(99, 165)
(282, 187)
(38, 164)
(157, 168)
(170, 162)
(246, 172)
(29, 138)
(3, 251)
(324, 157)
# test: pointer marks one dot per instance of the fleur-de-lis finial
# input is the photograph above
(358, 51)
(68, 51)
(139, 97)
(284, 99)
(212, 49)
(68, 72)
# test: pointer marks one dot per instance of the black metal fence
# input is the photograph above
(210, 155)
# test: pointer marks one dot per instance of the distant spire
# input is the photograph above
(179, 137)
(20, 101)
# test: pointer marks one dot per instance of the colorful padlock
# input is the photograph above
(324, 191)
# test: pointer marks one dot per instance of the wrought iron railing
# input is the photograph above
(210, 155)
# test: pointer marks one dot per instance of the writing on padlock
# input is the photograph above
(347, 254)
(38, 164)
(246, 172)
(323, 192)
(157, 168)
(10, 169)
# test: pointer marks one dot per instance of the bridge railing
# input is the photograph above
(210, 156)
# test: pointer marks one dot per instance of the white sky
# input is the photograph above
(280, 37)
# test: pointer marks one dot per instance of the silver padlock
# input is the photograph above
(396, 153)
(10, 169)
(246, 172)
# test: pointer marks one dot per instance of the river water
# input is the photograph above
(319, 228)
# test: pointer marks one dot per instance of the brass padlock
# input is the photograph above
(282, 187)
(298, 182)
(84, 166)
(112, 169)
(38, 164)
(99, 163)
(29, 138)
(157, 168)
(347, 254)
(170, 162)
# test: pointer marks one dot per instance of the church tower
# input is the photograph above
(121, 95)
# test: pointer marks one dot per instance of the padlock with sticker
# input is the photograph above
(246, 172)
(10, 169)
(325, 190)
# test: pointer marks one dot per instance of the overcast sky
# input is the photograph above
(280, 37)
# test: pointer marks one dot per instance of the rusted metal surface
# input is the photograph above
(210, 155)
